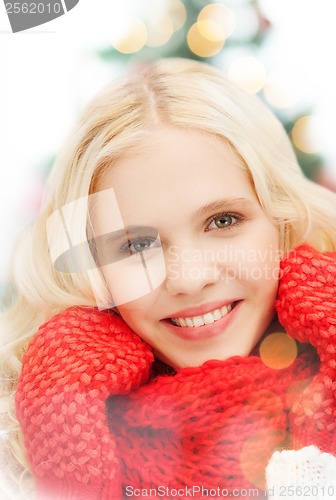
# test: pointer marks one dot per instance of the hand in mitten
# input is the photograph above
(73, 363)
(306, 307)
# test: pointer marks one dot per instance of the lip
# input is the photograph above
(200, 310)
(206, 331)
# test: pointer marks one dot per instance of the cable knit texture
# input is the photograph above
(73, 364)
(307, 309)
(96, 419)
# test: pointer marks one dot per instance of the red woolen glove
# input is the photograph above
(306, 307)
(74, 362)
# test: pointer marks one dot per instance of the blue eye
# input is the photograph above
(140, 245)
(121, 244)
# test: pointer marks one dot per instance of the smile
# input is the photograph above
(205, 319)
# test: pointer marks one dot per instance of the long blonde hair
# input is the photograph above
(181, 93)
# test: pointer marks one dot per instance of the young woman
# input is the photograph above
(177, 231)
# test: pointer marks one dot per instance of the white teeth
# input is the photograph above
(205, 319)
(217, 314)
(198, 321)
(208, 318)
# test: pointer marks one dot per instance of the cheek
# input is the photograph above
(138, 314)
(262, 273)
(264, 269)
(139, 322)
(135, 320)
(254, 259)
(135, 277)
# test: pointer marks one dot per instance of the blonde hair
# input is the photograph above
(175, 92)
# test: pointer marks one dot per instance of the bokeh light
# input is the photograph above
(303, 135)
(163, 20)
(217, 21)
(295, 390)
(278, 351)
(281, 91)
(159, 32)
(177, 13)
(201, 45)
(266, 400)
(134, 39)
(246, 21)
(249, 73)
(257, 450)
(210, 30)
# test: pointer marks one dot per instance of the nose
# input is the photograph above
(189, 271)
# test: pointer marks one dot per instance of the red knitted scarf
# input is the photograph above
(213, 426)
(96, 420)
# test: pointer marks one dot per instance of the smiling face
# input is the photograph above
(188, 198)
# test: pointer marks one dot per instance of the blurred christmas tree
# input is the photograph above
(222, 33)
(197, 29)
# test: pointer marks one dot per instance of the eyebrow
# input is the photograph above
(224, 204)
(128, 233)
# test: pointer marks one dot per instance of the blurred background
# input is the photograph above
(282, 50)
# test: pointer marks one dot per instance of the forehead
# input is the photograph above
(178, 170)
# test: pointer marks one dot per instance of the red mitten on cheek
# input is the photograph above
(306, 307)
(74, 362)
(306, 299)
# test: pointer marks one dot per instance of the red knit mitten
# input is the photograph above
(74, 362)
(306, 307)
